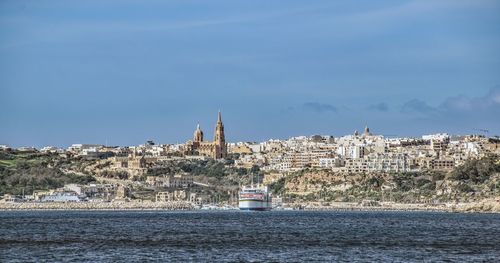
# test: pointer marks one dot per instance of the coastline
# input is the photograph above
(484, 206)
(96, 206)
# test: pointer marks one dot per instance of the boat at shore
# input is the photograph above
(255, 199)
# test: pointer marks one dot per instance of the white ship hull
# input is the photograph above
(255, 199)
(254, 205)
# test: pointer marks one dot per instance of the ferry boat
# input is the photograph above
(255, 199)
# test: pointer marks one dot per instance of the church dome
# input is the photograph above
(198, 134)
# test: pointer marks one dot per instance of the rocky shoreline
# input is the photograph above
(485, 206)
(121, 205)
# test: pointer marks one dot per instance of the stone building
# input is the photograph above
(122, 192)
(176, 195)
(175, 181)
(216, 149)
(133, 161)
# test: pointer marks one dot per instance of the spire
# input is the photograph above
(219, 117)
(367, 130)
(198, 126)
(219, 130)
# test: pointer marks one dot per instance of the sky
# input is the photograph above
(123, 72)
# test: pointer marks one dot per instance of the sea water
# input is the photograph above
(229, 236)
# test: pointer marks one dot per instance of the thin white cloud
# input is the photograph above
(416, 8)
(37, 29)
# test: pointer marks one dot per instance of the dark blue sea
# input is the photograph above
(288, 236)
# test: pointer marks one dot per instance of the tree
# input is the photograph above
(476, 170)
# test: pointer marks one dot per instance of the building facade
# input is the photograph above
(216, 149)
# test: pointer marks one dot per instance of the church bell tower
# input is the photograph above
(219, 139)
(219, 131)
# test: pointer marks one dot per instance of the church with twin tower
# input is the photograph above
(216, 149)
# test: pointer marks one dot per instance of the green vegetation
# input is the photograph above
(35, 171)
(222, 171)
(476, 170)
(278, 187)
(115, 174)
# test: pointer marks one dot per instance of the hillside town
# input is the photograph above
(200, 172)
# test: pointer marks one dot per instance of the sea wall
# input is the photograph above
(121, 205)
(345, 206)
(484, 206)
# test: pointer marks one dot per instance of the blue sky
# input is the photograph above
(127, 71)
